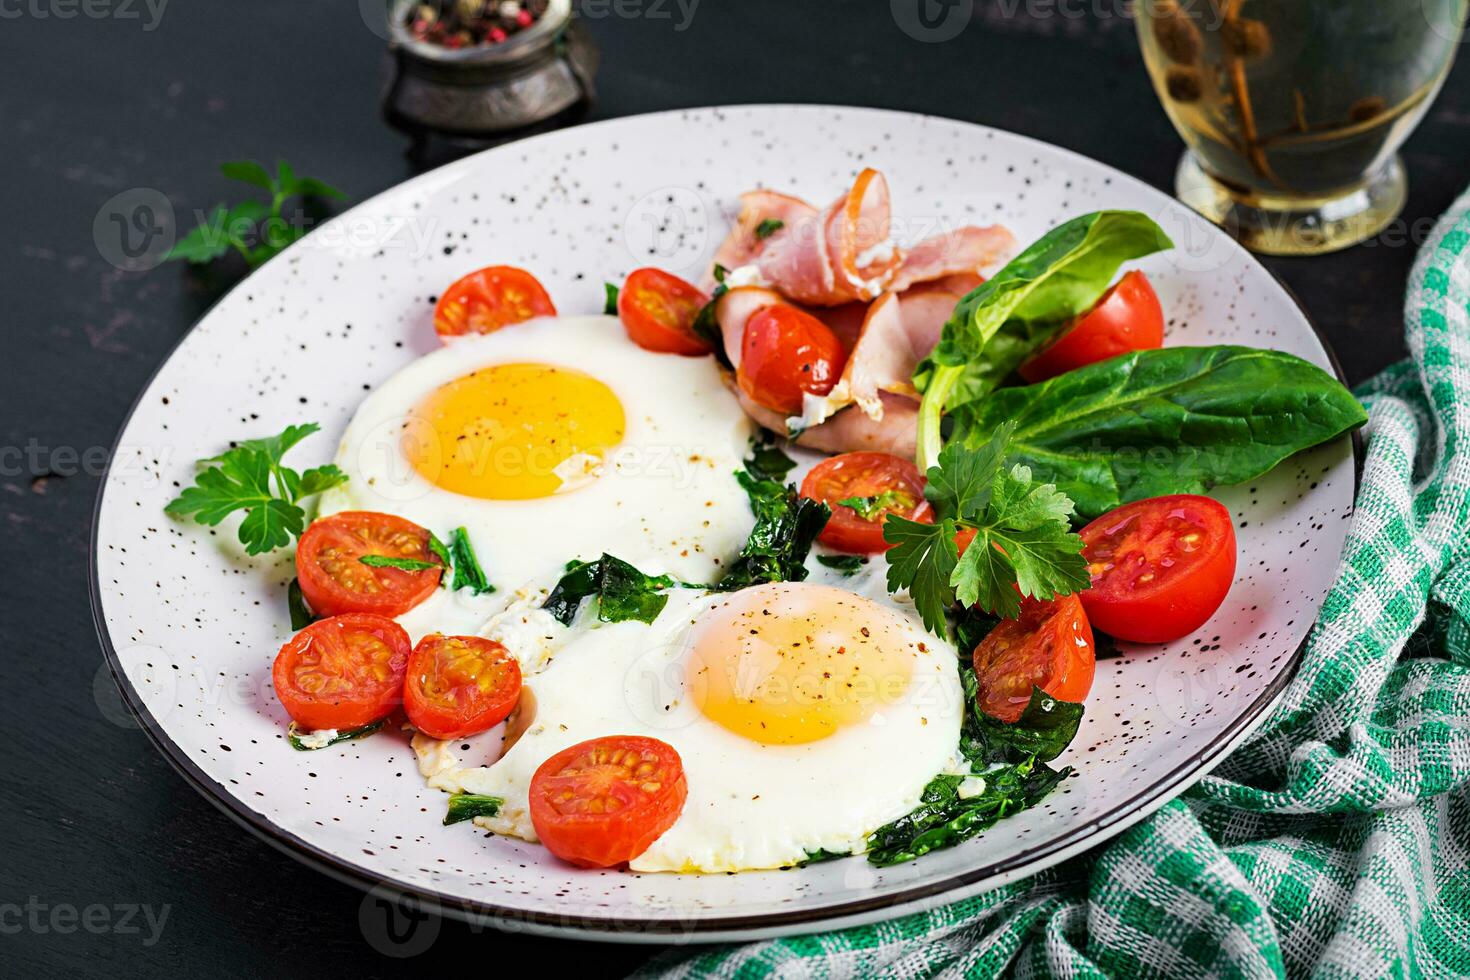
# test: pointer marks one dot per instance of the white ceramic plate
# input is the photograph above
(190, 629)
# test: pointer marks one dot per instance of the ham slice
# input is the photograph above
(744, 244)
(839, 255)
(851, 430)
(965, 251)
(887, 305)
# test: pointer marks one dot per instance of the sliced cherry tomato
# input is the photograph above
(600, 803)
(1049, 646)
(1160, 567)
(887, 484)
(459, 686)
(1127, 318)
(490, 298)
(785, 354)
(658, 311)
(334, 580)
(343, 672)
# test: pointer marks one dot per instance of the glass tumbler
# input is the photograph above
(1293, 111)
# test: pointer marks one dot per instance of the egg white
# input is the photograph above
(666, 499)
(750, 805)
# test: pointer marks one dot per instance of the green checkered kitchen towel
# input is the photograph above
(1336, 841)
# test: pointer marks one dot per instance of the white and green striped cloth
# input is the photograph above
(1334, 843)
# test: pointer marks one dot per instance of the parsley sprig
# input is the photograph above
(1022, 537)
(254, 228)
(252, 478)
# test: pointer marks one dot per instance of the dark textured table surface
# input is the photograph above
(112, 864)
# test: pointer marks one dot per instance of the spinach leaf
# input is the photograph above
(786, 524)
(622, 592)
(301, 615)
(819, 855)
(1010, 759)
(467, 571)
(468, 806)
(766, 460)
(1155, 422)
(706, 325)
(944, 818)
(1061, 275)
(1045, 728)
(846, 564)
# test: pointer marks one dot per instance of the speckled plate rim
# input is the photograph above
(609, 928)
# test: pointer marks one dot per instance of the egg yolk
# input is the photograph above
(514, 431)
(784, 664)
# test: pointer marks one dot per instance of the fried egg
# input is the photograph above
(806, 716)
(552, 440)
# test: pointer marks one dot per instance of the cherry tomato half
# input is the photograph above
(888, 485)
(459, 686)
(600, 803)
(784, 354)
(343, 672)
(1049, 646)
(334, 580)
(490, 298)
(658, 311)
(1127, 318)
(1160, 567)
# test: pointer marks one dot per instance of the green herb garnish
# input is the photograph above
(251, 477)
(873, 508)
(407, 564)
(768, 227)
(304, 741)
(255, 229)
(1022, 537)
(467, 571)
(468, 806)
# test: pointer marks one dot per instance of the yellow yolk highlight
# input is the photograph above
(514, 431)
(785, 664)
